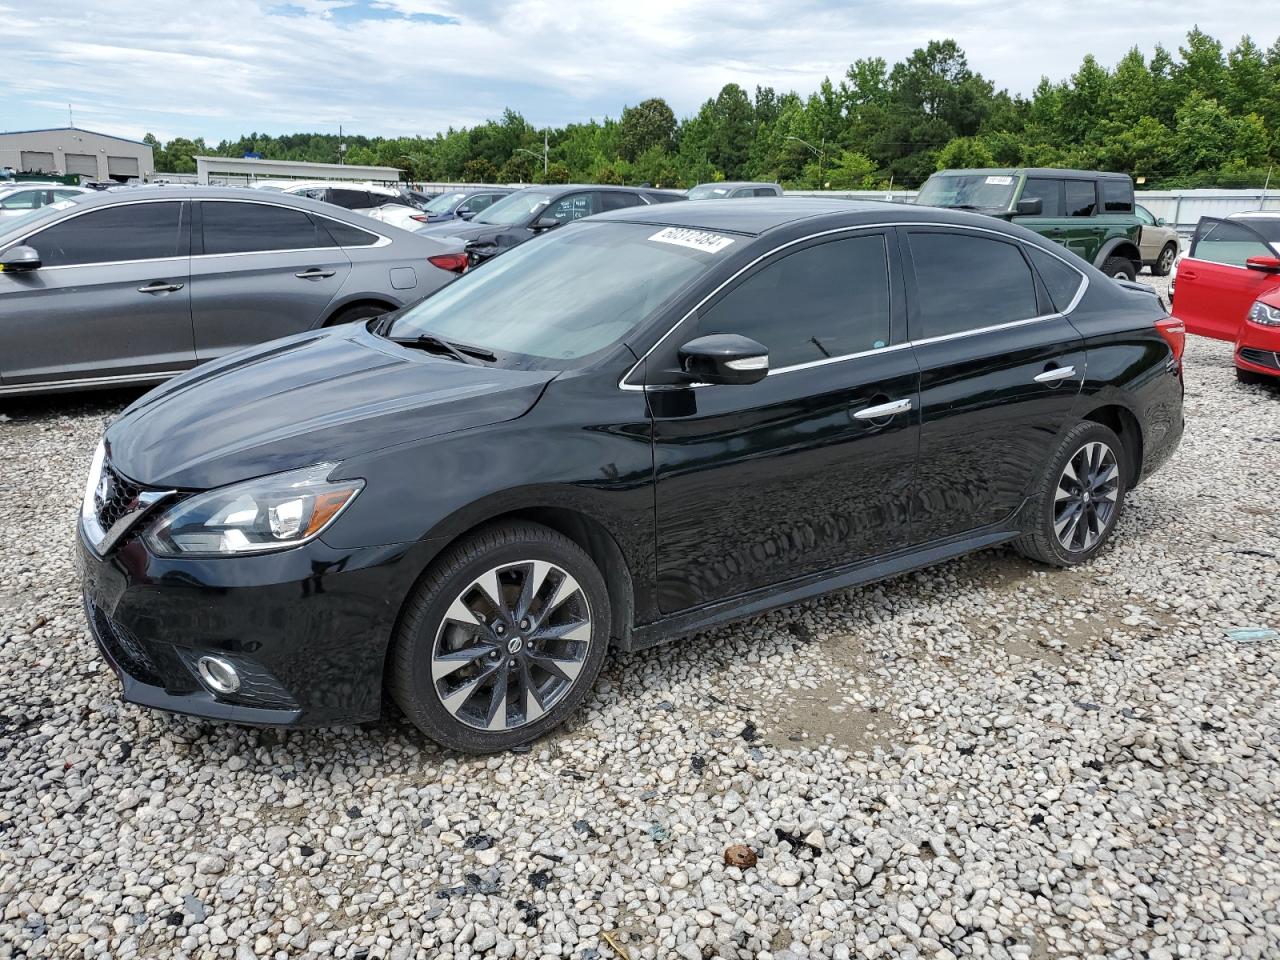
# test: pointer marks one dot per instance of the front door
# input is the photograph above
(999, 372)
(788, 477)
(111, 298)
(264, 271)
(1214, 288)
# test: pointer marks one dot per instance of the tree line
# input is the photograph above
(1205, 116)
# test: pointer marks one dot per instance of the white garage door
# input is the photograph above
(35, 162)
(122, 166)
(82, 163)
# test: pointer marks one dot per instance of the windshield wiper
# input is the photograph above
(459, 351)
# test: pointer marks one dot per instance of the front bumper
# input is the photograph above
(307, 629)
(1258, 349)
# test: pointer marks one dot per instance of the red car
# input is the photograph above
(1228, 287)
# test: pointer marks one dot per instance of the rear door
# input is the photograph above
(1084, 232)
(260, 271)
(111, 298)
(1214, 289)
(1000, 368)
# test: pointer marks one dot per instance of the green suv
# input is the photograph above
(1091, 214)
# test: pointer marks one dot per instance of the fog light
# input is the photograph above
(218, 674)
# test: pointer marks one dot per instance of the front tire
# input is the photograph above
(1119, 268)
(1164, 262)
(1078, 498)
(502, 639)
(360, 311)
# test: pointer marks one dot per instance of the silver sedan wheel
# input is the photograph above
(1167, 256)
(1085, 501)
(511, 645)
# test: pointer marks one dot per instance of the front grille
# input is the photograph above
(1263, 358)
(125, 649)
(115, 497)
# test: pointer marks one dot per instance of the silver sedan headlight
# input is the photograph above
(269, 513)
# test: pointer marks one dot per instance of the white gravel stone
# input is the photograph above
(986, 758)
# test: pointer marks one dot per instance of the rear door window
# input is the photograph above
(1048, 192)
(132, 231)
(618, 200)
(1227, 242)
(967, 282)
(765, 192)
(351, 199)
(1081, 198)
(824, 301)
(573, 207)
(480, 201)
(233, 227)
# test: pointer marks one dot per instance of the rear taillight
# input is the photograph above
(453, 262)
(1174, 332)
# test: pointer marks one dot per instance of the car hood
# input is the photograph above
(321, 396)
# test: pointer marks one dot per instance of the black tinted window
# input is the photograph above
(1082, 198)
(351, 199)
(244, 227)
(617, 201)
(135, 231)
(765, 192)
(824, 301)
(1048, 192)
(1060, 280)
(345, 235)
(964, 282)
(1117, 196)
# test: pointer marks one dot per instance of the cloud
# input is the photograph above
(397, 67)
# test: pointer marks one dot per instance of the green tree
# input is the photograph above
(965, 152)
(649, 124)
(479, 170)
(556, 173)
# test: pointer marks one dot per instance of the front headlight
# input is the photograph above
(1266, 315)
(269, 513)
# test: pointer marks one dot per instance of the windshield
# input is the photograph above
(515, 209)
(565, 295)
(709, 191)
(444, 203)
(981, 190)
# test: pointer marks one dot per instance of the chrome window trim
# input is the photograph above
(118, 379)
(382, 240)
(1084, 286)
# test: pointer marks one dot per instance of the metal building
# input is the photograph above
(240, 170)
(71, 150)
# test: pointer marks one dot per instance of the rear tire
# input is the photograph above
(1078, 498)
(1164, 262)
(1119, 268)
(361, 311)
(502, 640)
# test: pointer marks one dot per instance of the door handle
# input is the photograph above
(159, 286)
(883, 410)
(1055, 374)
(315, 273)
(1187, 274)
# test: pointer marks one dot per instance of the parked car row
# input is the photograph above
(652, 418)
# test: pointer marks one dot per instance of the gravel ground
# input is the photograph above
(980, 759)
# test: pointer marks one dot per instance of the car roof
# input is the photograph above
(1255, 215)
(556, 189)
(734, 184)
(758, 215)
(1032, 172)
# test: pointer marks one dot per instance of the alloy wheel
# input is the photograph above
(1166, 260)
(511, 645)
(1086, 498)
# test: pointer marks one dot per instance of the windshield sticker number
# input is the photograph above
(694, 239)
(1000, 181)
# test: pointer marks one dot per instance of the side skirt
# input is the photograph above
(781, 595)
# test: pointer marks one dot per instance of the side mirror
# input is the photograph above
(19, 259)
(1160, 222)
(724, 358)
(1264, 264)
(1030, 207)
(545, 223)
(464, 213)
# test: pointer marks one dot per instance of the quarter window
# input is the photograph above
(1230, 243)
(247, 227)
(1062, 282)
(345, 235)
(1048, 192)
(1081, 198)
(824, 301)
(1117, 195)
(134, 231)
(965, 282)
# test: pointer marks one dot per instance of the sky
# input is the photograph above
(415, 67)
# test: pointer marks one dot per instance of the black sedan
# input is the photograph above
(534, 210)
(640, 426)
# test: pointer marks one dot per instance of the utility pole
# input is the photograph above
(70, 119)
(342, 147)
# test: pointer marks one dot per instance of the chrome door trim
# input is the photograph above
(890, 409)
(1084, 286)
(87, 382)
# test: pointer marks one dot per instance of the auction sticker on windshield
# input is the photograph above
(694, 239)
(1000, 181)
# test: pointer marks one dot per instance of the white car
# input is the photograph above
(24, 197)
(360, 197)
